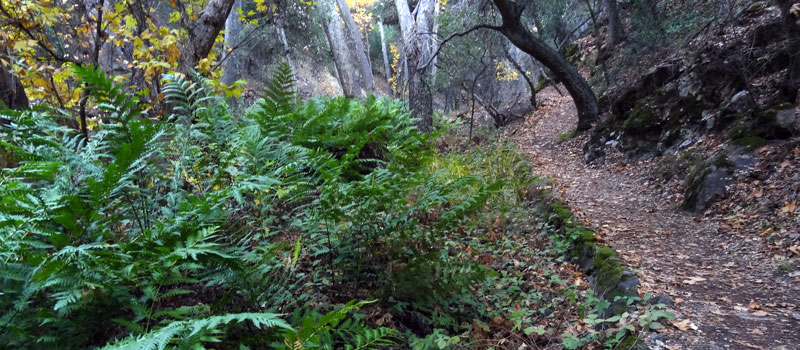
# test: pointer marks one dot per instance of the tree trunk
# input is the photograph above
(204, 30)
(616, 32)
(233, 28)
(582, 95)
(387, 71)
(418, 47)
(790, 10)
(287, 53)
(341, 54)
(12, 94)
(510, 55)
(435, 33)
(357, 45)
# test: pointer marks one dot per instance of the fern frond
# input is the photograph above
(188, 333)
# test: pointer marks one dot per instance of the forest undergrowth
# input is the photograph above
(325, 224)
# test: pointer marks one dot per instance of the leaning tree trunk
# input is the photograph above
(357, 46)
(582, 95)
(12, 94)
(341, 54)
(418, 47)
(616, 32)
(204, 30)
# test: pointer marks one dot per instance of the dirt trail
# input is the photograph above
(723, 283)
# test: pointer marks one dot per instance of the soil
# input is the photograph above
(730, 290)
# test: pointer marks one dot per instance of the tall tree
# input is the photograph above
(287, 52)
(519, 35)
(418, 47)
(387, 71)
(233, 29)
(616, 32)
(790, 10)
(348, 79)
(357, 46)
(204, 30)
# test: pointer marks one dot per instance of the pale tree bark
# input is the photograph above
(357, 45)
(419, 47)
(386, 67)
(347, 76)
(436, 33)
(233, 29)
(287, 52)
(204, 30)
(582, 95)
(616, 32)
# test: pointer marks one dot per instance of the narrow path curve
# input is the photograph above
(721, 282)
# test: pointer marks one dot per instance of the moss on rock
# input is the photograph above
(641, 116)
(631, 342)
(750, 142)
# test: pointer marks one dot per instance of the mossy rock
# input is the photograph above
(631, 342)
(571, 51)
(640, 117)
(602, 254)
(750, 142)
(689, 107)
(678, 164)
(722, 161)
(706, 182)
(694, 182)
(561, 213)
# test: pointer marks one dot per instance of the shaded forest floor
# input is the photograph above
(726, 289)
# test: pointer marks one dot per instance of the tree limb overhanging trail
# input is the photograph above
(723, 283)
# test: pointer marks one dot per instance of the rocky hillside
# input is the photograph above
(714, 122)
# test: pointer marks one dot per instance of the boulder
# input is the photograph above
(707, 183)
(741, 103)
(785, 118)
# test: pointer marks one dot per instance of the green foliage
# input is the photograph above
(187, 334)
(207, 228)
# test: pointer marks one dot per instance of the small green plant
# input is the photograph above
(567, 135)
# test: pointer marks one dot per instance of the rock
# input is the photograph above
(710, 347)
(661, 299)
(688, 85)
(655, 337)
(785, 118)
(707, 182)
(629, 284)
(743, 162)
(710, 119)
(741, 102)
(686, 143)
(713, 187)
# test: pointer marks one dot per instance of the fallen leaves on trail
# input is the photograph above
(694, 280)
(789, 208)
(684, 325)
(711, 264)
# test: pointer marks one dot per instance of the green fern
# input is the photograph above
(192, 334)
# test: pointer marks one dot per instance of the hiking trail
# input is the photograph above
(721, 282)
